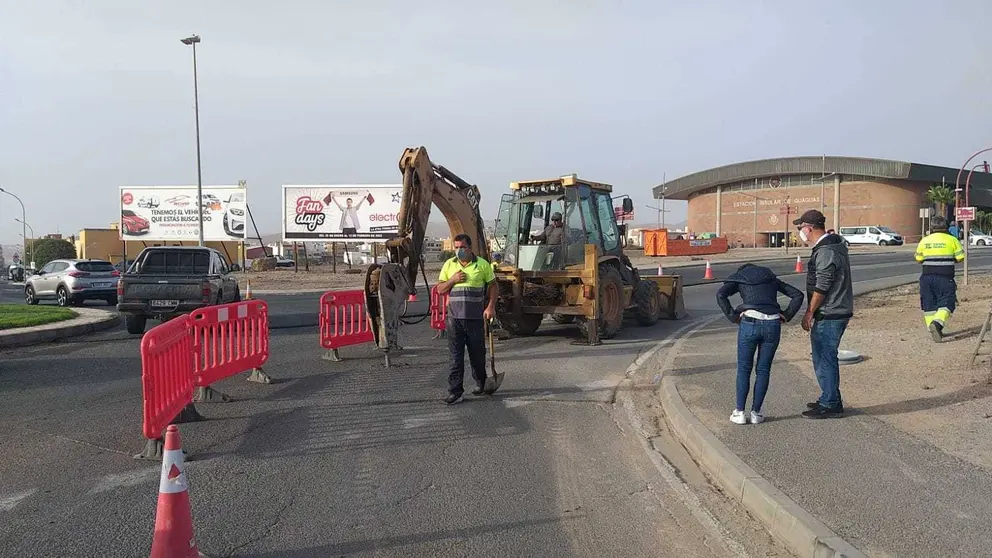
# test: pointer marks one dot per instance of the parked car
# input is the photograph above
(978, 238)
(71, 282)
(132, 223)
(285, 262)
(15, 273)
(234, 216)
(882, 236)
(167, 281)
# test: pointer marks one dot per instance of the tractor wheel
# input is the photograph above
(563, 319)
(526, 325)
(647, 303)
(610, 299)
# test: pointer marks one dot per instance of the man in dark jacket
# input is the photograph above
(760, 318)
(829, 308)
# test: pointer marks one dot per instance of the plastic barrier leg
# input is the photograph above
(258, 376)
(332, 355)
(207, 394)
(153, 448)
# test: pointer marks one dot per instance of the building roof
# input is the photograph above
(681, 188)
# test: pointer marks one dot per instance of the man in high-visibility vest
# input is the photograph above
(938, 252)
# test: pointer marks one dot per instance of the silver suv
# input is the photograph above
(70, 282)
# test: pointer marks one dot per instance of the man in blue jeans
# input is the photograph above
(760, 318)
(829, 309)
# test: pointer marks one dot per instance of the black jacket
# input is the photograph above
(829, 273)
(759, 289)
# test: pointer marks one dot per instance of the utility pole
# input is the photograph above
(192, 40)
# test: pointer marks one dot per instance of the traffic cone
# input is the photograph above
(799, 264)
(411, 298)
(660, 271)
(248, 289)
(173, 518)
(709, 271)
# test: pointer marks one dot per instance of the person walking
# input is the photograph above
(938, 252)
(468, 280)
(830, 306)
(760, 318)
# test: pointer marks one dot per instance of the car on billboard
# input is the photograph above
(210, 201)
(234, 215)
(132, 223)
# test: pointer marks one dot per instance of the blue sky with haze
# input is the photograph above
(98, 94)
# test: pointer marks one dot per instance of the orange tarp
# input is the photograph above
(657, 243)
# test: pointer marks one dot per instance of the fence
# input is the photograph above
(192, 351)
(344, 321)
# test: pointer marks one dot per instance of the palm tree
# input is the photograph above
(983, 221)
(941, 196)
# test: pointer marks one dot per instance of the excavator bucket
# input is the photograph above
(670, 287)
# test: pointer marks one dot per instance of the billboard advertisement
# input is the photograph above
(170, 213)
(346, 213)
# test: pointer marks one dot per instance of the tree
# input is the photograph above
(940, 196)
(48, 249)
(983, 221)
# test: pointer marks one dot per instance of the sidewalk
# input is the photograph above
(882, 490)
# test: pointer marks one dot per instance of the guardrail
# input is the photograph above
(344, 321)
(190, 352)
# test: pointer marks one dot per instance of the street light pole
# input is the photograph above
(192, 40)
(967, 228)
(24, 230)
(24, 224)
(754, 233)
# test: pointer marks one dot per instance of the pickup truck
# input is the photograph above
(166, 281)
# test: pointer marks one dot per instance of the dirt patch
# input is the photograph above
(929, 390)
(318, 278)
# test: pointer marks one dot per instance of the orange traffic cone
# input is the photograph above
(799, 264)
(248, 289)
(411, 298)
(709, 271)
(660, 271)
(173, 518)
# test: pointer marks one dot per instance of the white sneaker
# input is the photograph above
(738, 417)
(757, 417)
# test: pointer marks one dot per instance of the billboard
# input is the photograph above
(170, 213)
(347, 213)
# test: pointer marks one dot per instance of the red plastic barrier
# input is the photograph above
(344, 319)
(439, 309)
(166, 374)
(229, 339)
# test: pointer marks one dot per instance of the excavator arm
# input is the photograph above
(426, 184)
(390, 286)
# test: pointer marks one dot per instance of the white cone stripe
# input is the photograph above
(178, 484)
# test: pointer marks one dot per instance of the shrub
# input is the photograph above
(48, 249)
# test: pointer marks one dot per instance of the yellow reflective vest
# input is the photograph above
(938, 252)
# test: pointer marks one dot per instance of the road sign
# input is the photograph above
(924, 212)
(965, 213)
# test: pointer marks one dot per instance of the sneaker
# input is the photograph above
(453, 398)
(936, 332)
(738, 417)
(823, 412)
(757, 417)
(815, 404)
(477, 391)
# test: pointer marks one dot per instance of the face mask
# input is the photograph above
(803, 235)
(461, 253)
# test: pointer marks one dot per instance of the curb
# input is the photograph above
(47, 335)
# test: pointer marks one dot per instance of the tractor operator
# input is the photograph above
(553, 233)
(938, 252)
(469, 280)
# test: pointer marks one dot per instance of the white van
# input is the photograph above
(882, 236)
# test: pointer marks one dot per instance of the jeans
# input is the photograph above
(761, 336)
(825, 341)
(464, 334)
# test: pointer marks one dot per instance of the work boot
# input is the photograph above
(477, 391)
(936, 332)
(453, 398)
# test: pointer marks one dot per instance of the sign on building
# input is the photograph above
(965, 213)
(620, 215)
(349, 213)
(172, 213)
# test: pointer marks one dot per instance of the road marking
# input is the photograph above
(8, 503)
(425, 420)
(120, 480)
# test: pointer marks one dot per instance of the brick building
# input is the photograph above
(749, 199)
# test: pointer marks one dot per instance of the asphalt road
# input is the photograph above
(350, 458)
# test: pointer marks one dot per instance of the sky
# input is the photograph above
(99, 94)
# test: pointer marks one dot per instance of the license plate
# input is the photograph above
(164, 303)
(101, 285)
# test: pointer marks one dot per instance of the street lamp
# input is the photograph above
(192, 40)
(24, 231)
(23, 224)
(754, 233)
(967, 224)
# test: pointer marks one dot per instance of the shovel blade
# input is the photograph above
(492, 383)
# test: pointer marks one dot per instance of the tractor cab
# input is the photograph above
(581, 210)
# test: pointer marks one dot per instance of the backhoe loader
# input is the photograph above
(586, 278)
